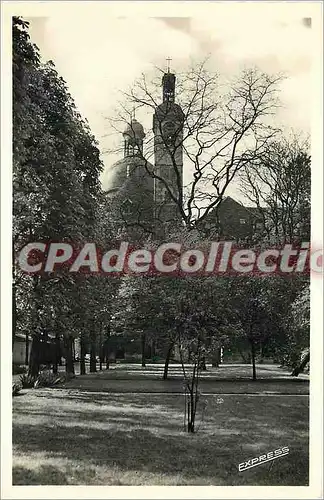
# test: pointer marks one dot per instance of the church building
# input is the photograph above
(148, 197)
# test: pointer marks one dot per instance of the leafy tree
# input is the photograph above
(56, 191)
(188, 313)
(260, 305)
(299, 330)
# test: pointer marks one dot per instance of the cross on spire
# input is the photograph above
(168, 59)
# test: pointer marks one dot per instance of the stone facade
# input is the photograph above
(142, 199)
(168, 155)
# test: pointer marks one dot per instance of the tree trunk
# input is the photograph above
(107, 353)
(26, 349)
(44, 348)
(167, 361)
(153, 349)
(100, 349)
(93, 362)
(69, 364)
(203, 366)
(82, 355)
(14, 296)
(14, 315)
(191, 414)
(107, 345)
(57, 355)
(299, 369)
(294, 358)
(143, 343)
(253, 359)
(194, 395)
(34, 359)
(216, 358)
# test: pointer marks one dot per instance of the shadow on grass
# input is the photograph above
(140, 450)
(21, 393)
(237, 372)
(216, 386)
(44, 475)
(142, 434)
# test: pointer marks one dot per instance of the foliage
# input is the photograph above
(260, 307)
(57, 196)
(16, 388)
(300, 312)
(189, 313)
(27, 381)
(47, 379)
(298, 328)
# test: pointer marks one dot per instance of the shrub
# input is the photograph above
(47, 379)
(27, 381)
(16, 388)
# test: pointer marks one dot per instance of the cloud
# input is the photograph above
(177, 23)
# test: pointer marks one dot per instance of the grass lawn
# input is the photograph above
(224, 379)
(80, 437)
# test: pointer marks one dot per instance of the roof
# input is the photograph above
(118, 171)
(255, 211)
(134, 160)
(134, 129)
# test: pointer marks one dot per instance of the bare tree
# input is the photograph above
(216, 129)
(278, 184)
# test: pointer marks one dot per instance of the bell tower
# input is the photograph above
(133, 139)
(168, 153)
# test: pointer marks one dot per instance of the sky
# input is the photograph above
(99, 54)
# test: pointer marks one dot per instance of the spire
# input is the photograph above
(168, 60)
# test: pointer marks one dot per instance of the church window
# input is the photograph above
(167, 196)
(127, 206)
(170, 140)
(169, 133)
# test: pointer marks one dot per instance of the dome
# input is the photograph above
(134, 129)
(119, 171)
